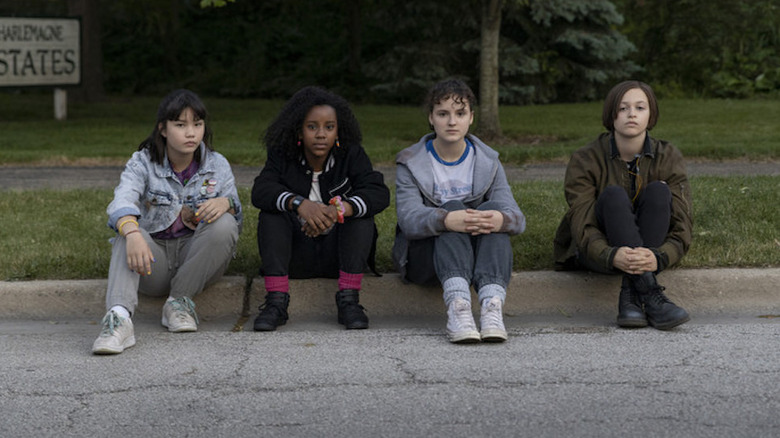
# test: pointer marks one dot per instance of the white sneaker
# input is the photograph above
(461, 328)
(179, 315)
(491, 321)
(116, 335)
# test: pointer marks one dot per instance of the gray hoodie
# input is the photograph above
(419, 215)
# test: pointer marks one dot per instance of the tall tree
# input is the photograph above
(381, 50)
(415, 44)
(489, 123)
(354, 18)
(572, 50)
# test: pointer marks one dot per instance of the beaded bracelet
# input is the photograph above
(119, 228)
(336, 202)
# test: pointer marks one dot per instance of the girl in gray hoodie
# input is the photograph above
(456, 212)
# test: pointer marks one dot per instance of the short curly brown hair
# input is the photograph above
(454, 88)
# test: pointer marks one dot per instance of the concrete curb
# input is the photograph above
(700, 291)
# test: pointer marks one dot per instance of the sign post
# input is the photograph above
(41, 52)
(60, 104)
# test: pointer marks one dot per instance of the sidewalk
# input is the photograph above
(65, 178)
(718, 292)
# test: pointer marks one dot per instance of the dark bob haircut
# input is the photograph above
(170, 109)
(615, 96)
(285, 131)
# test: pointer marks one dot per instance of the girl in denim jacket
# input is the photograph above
(177, 214)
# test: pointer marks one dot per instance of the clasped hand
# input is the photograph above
(318, 217)
(635, 260)
(474, 221)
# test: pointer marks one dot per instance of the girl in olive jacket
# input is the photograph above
(629, 208)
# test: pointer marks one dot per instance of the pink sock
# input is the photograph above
(277, 284)
(349, 281)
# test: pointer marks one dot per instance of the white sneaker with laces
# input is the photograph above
(491, 321)
(461, 328)
(179, 315)
(116, 335)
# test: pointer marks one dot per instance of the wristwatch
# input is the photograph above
(297, 201)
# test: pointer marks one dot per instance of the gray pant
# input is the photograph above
(182, 267)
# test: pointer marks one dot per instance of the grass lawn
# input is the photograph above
(110, 131)
(73, 243)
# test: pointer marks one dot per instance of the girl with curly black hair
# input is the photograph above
(317, 194)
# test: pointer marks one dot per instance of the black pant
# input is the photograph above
(643, 224)
(286, 250)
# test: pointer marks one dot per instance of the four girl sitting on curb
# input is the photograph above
(629, 213)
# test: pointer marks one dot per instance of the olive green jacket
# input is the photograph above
(596, 166)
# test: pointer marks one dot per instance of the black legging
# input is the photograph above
(286, 250)
(644, 224)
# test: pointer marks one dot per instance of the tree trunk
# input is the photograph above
(169, 28)
(91, 88)
(355, 39)
(489, 124)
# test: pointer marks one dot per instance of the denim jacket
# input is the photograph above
(155, 195)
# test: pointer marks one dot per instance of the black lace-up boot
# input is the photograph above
(351, 314)
(630, 313)
(661, 312)
(273, 312)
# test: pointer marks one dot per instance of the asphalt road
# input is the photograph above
(555, 377)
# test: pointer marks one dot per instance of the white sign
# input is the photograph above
(40, 52)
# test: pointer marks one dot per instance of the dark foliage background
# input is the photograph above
(390, 51)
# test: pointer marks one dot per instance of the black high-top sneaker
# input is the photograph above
(351, 313)
(273, 312)
(630, 313)
(661, 312)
